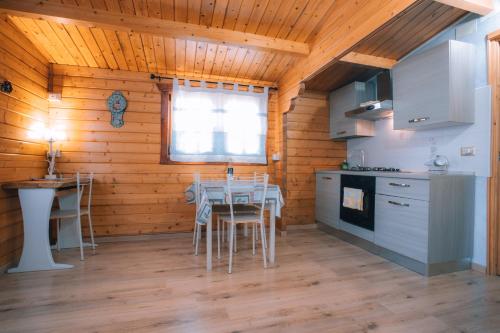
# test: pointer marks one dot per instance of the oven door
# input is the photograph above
(364, 217)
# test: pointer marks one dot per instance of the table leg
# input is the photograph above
(209, 243)
(272, 232)
(36, 205)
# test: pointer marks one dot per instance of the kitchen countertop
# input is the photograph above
(402, 174)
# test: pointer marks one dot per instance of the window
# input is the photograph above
(217, 124)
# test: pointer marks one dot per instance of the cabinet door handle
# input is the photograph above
(399, 185)
(418, 120)
(326, 178)
(341, 132)
(398, 203)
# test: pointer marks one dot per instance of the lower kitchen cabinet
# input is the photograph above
(328, 198)
(424, 224)
(401, 225)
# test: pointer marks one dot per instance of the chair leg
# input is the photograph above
(263, 246)
(197, 239)
(253, 238)
(231, 243)
(91, 229)
(194, 232)
(264, 240)
(235, 238)
(79, 231)
(218, 237)
(223, 232)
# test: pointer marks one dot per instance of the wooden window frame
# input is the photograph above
(166, 133)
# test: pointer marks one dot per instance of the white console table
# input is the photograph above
(36, 198)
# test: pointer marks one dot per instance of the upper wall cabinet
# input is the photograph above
(435, 88)
(345, 99)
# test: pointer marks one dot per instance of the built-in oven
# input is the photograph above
(357, 200)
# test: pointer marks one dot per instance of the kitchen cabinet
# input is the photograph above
(422, 221)
(402, 225)
(346, 99)
(404, 187)
(435, 88)
(429, 221)
(328, 198)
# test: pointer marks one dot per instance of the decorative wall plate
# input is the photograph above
(117, 105)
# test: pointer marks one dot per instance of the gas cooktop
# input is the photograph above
(377, 169)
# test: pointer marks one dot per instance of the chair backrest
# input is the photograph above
(196, 182)
(203, 210)
(247, 191)
(81, 182)
(91, 182)
(200, 182)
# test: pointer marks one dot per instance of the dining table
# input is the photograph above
(36, 197)
(216, 191)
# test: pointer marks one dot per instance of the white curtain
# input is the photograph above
(217, 124)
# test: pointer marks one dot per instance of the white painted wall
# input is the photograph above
(410, 150)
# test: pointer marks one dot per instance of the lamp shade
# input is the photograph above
(40, 132)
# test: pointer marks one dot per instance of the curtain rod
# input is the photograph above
(171, 77)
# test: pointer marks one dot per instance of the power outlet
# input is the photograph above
(468, 151)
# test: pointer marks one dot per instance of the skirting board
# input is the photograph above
(134, 238)
(4, 268)
(302, 226)
(478, 268)
(411, 264)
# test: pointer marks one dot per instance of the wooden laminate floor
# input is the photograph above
(320, 284)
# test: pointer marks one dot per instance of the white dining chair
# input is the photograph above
(197, 230)
(237, 190)
(241, 209)
(218, 209)
(61, 215)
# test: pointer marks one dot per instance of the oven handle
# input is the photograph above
(398, 203)
(399, 184)
(365, 202)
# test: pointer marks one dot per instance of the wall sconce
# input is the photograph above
(6, 87)
(51, 135)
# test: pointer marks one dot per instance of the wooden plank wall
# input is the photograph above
(134, 194)
(20, 157)
(307, 147)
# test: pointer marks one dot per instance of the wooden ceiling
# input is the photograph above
(397, 38)
(293, 20)
(257, 41)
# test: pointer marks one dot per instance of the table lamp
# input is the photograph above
(51, 135)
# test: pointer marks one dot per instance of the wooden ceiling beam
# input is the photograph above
(348, 24)
(481, 7)
(368, 60)
(94, 18)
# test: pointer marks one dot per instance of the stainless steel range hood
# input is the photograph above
(379, 96)
(373, 110)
